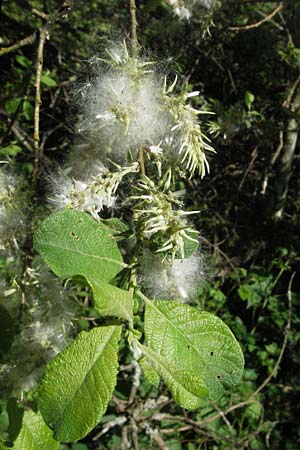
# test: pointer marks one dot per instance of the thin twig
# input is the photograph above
(159, 440)
(40, 14)
(259, 23)
(26, 41)
(134, 41)
(253, 158)
(285, 340)
(125, 444)
(22, 137)
(134, 433)
(228, 424)
(135, 383)
(36, 134)
(271, 164)
(27, 247)
(286, 104)
(111, 424)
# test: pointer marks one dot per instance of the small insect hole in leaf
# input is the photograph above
(211, 353)
(74, 235)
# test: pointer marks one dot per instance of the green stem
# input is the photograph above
(142, 160)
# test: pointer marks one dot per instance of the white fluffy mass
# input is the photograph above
(11, 217)
(121, 110)
(170, 280)
(90, 194)
(45, 330)
(184, 9)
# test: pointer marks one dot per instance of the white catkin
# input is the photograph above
(170, 280)
(184, 9)
(120, 112)
(90, 194)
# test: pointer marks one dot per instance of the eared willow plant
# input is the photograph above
(148, 137)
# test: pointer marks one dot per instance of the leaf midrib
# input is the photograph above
(115, 261)
(167, 369)
(188, 340)
(173, 326)
(85, 376)
(101, 286)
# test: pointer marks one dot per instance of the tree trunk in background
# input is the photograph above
(285, 162)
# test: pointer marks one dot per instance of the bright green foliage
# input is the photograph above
(187, 389)
(48, 81)
(112, 301)
(79, 382)
(34, 434)
(115, 226)
(195, 341)
(72, 243)
(194, 352)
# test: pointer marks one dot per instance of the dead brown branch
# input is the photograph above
(260, 22)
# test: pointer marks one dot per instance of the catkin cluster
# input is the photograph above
(134, 119)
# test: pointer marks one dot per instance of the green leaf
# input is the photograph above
(80, 447)
(245, 291)
(23, 61)
(34, 434)
(10, 150)
(195, 341)
(115, 226)
(187, 389)
(48, 81)
(111, 301)
(249, 99)
(254, 411)
(149, 372)
(12, 105)
(15, 414)
(79, 382)
(28, 109)
(190, 247)
(72, 243)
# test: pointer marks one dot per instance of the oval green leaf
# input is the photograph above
(73, 243)
(195, 341)
(187, 389)
(111, 301)
(79, 382)
(34, 434)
